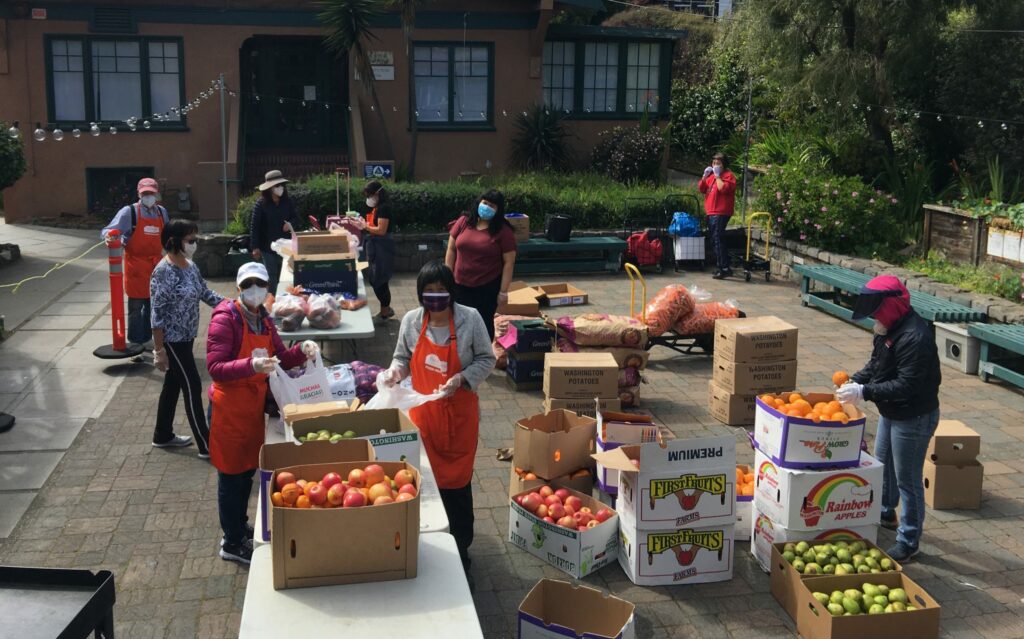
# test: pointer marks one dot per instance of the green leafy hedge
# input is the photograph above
(593, 201)
(990, 279)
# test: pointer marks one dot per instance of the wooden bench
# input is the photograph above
(578, 255)
(847, 284)
(995, 338)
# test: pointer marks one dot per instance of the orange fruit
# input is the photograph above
(795, 412)
(803, 405)
(749, 478)
(767, 398)
(815, 417)
(302, 502)
(833, 408)
(839, 417)
(820, 407)
(794, 397)
(739, 475)
(275, 499)
(290, 493)
(747, 490)
(839, 378)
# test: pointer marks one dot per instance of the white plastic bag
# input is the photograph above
(309, 388)
(342, 381)
(398, 397)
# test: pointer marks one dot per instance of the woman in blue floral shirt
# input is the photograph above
(175, 290)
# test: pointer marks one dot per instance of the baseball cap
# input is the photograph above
(251, 270)
(148, 185)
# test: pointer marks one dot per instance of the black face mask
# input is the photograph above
(436, 302)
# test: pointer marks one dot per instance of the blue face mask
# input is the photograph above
(485, 212)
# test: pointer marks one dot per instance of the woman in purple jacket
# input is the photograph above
(242, 348)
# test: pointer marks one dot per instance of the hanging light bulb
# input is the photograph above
(504, 113)
(327, 107)
(57, 134)
(94, 129)
(76, 133)
(1003, 126)
(257, 98)
(39, 134)
(460, 115)
(917, 116)
(854, 105)
(417, 114)
(303, 103)
(132, 126)
(394, 109)
(280, 100)
(113, 130)
(373, 107)
(938, 118)
(483, 115)
(14, 132)
(350, 108)
(525, 114)
(981, 125)
(146, 124)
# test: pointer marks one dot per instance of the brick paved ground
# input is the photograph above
(150, 515)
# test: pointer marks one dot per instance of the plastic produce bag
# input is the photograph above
(310, 387)
(702, 320)
(684, 225)
(350, 302)
(666, 307)
(398, 397)
(699, 294)
(342, 381)
(290, 310)
(324, 312)
(366, 379)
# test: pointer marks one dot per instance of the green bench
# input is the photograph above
(993, 339)
(578, 255)
(847, 284)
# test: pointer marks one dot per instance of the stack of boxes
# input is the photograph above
(572, 381)
(526, 343)
(323, 262)
(953, 476)
(753, 355)
(677, 509)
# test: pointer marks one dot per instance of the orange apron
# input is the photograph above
(371, 217)
(449, 427)
(142, 253)
(238, 426)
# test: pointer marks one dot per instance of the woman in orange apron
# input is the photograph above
(242, 347)
(444, 346)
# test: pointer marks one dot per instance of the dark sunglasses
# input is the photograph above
(247, 284)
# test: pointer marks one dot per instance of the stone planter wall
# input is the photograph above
(785, 253)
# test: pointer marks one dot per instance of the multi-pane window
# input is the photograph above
(604, 78)
(453, 83)
(559, 75)
(112, 79)
(600, 76)
(642, 77)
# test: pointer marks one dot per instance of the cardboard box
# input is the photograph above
(581, 483)
(581, 375)
(557, 609)
(575, 552)
(312, 243)
(327, 274)
(949, 487)
(819, 499)
(755, 339)
(684, 482)
(765, 533)
(522, 300)
(381, 542)
(813, 620)
(533, 336)
(798, 442)
(614, 430)
(274, 456)
(744, 511)
(729, 408)
(562, 295)
(953, 443)
(554, 444)
(675, 556)
(525, 368)
(756, 378)
(520, 223)
(393, 435)
(581, 406)
(521, 387)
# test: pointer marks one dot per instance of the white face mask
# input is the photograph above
(254, 296)
(148, 201)
(278, 191)
(371, 201)
(189, 248)
(879, 328)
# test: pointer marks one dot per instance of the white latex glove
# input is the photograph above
(310, 348)
(160, 360)
(263, 364)
(108, 239)
(850, 393)
(453, 384)
(708, 171)
(718, 171)
(391, 376)
(287, 227)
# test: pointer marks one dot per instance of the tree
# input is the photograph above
(407, 8)
(348, 32)
(12, 158)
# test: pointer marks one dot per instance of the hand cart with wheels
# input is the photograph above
(752, 263)
(672, 339)
(653, 224)
(691, 250)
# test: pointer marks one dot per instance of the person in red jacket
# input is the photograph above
(719, 188)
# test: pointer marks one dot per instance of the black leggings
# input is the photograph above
(483, 298)
(380, 253)
(182, 377)
(458, 505)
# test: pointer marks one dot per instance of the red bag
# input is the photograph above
(644, 248)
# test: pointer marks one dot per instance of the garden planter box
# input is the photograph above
(1004, 245)
(958, 234)
(797, 442)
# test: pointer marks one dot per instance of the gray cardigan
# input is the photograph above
(475, 353)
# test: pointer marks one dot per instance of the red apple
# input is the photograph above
(330, 479)
(529, 477)
(603, 515)
(569, 510)
(374, 474)
(357, 478)
(530, 502)
(549, 520)
(557, 511)
(354, 499)
(518, 499)
(552, 499)
(546, 491)
(581, 528)
(379, 489)
(404, 477)
(586, 518)
(586, 509)
(562, 494)
(574, 501)
(567, 522)
(408, 489)
(592, 523)
(285, 478)
(336, 495)
(383, 499)
(542, 511)
(317, 494)
(404, 497)
(578, 517)
(302, 484)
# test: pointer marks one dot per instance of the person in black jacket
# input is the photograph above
(380, 246)
(902, 378)
(272, 219)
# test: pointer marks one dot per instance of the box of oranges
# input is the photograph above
(744, 501)
(810, 430)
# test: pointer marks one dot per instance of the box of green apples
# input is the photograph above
(880, 606)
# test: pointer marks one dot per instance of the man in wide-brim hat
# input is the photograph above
(272, 219)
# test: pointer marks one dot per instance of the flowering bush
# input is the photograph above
(629, 154)
(835, 213)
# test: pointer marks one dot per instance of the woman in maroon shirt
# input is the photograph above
(482, 254)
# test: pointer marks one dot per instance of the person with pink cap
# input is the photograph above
(140, 225)
(902, 378)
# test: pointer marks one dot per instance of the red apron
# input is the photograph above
(449, 427)
(142, 253)
(238, 426)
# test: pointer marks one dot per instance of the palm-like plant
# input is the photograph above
(349, 32)
(541, 141)
(407, 9)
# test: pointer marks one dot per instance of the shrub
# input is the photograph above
(989, 279)
(835, 213)
(12, 159)
(541, 141)
(705, 114)
(629, 154)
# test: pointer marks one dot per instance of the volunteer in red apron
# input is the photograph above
(140, 225)
(380, 246)
(444, 345)
(241, 348)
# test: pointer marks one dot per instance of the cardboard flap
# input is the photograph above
(621, 458)
(522, 293)
(576, 610)
(557, 421)
(274, 456)
(292, 412)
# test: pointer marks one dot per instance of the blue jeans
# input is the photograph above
(139, 331)
(716, 228)
(901, 446)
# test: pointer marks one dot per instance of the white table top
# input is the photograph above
(357, 324)
(433, 518)
(436, 603)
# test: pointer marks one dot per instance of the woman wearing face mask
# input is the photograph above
(380, 246)
(175, 290)
(241, 349)
(444, 345)
(273, 217)
(482, 253)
